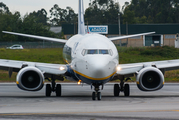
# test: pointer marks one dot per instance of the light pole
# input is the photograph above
(176, 41)
(119, 22)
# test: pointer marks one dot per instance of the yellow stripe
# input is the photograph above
(65, 61)
(88, 76)
(94, 78)
(17, 82)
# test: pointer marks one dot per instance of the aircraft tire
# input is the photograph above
(126, 90)
(48, 90)
(99, 95)
(116, 90)
(58, 90)
(94, 96)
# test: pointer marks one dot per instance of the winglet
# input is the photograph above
(81, 26)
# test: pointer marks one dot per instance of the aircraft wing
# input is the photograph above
(37, 37)
(130, 36)
(127, 69)
(13, 65)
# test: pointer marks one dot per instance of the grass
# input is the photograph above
(126, 55)
(146, 54)
(48, 55)
(35, 55)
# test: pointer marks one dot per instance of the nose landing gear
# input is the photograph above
(96, 93)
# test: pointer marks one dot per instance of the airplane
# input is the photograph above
(92, 59)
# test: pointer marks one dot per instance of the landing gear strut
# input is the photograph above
(96, 93)
(122, 88)
(53, 88)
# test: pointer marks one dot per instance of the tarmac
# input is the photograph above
(76, 103)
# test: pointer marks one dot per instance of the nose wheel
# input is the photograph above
(96, 93)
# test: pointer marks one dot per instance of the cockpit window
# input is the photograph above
(97, 51)
(83, 52)
(110, 52)
(92, 52)
(103, 52)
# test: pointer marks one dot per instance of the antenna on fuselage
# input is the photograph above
(81, 25)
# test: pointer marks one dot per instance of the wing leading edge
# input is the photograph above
(130, 36)
(37, 37)
(54, 69)
(126, 69)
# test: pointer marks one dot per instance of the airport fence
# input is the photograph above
(46, 44)
(28, 45)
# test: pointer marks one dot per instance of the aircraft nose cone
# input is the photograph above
(100, 65)
(100, 68)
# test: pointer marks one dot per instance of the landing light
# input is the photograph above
(79, 82)
(62, 68)
(118, 68)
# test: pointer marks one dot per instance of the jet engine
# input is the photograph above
(30, 79)
(150, 79)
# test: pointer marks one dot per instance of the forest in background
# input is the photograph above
(99, 12)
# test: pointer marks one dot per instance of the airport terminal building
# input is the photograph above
(166, 34)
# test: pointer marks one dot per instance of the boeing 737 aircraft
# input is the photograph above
(91, 59)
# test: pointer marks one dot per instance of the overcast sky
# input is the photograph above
(27, 6)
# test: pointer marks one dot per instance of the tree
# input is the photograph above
(129, 17)
(9, 22)
(154, 11)
(33, 23)
(124, 6)
(102, 12)
(3, 8)
(61, 16)
(41, 16)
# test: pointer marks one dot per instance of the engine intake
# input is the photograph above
(150, 79)
(30, 79)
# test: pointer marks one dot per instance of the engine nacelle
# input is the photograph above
(150, 79)
(30, 79)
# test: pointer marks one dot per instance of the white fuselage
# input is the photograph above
(92, 58)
